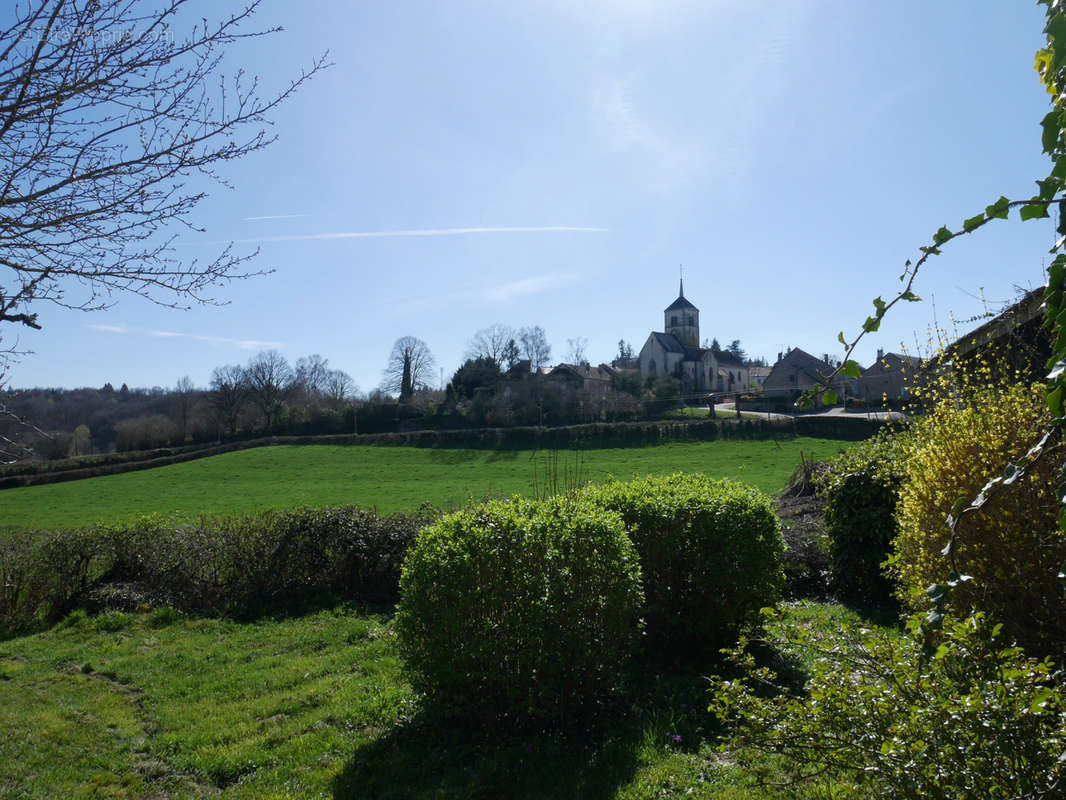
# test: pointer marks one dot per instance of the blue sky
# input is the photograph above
(468, 162)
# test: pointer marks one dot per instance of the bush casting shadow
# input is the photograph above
(427, 757)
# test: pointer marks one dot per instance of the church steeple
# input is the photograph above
(681, 319)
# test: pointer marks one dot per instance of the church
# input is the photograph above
(676, 353)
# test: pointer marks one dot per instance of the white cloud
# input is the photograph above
(500, 293)
(241, 344)
(668, 155)
(521, 288)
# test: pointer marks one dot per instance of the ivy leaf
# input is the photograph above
(1051, 128)
(999, 209)
(871, 324)
(851, 369)
(973, 222)
(930, 251)
(841, 339)
(1037, 211)
(910, 297)
(1048, 187)
(829, 398)
(1057, 271)
(942, 235)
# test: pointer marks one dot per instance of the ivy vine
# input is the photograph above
(1050, 65)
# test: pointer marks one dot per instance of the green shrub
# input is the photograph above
(1012, 546)
(892, 716)
(861, 488)
(520, 609)
(42, 575)
(240, 564)
(710, 552)
(243, 563)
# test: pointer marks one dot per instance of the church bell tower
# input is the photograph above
(682, 320)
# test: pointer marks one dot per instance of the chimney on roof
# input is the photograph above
(825, 358)
(779, 355)
(880, 353)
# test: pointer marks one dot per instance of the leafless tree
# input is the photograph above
(491, 342)
(339, 387)
(535, 347)
(411, 366)
(269, 377)
(227, 397)
(576, 351)
(107, 109)
(185, 396)
(311, 375)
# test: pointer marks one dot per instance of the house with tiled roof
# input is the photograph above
(584, 376)
(674, 352)
(890, 377)
(797, 371)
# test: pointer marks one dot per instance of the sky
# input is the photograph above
(558, 162)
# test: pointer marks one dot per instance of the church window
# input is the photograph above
(673, 319)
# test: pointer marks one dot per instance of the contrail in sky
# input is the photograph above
(276, 216)
(307, 237)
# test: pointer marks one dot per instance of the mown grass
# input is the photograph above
(388, 478)
(160, 705)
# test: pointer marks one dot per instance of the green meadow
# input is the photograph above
(388, 478)
(159, 705)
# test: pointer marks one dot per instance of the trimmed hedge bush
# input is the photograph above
(861, 488)
(1012, 547)
(710, 551)
(522, 610)
(235, 565)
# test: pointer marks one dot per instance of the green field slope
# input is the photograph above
(389, 478)
(158, 705)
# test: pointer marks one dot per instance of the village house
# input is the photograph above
(583, 376)
(889, 378)
(676, 353)
(797, 371)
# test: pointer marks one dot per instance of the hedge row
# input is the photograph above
(607, 434)
(233, 565)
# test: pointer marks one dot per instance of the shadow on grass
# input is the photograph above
(885, 615)
(431, 758)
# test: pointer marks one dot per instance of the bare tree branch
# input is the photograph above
(107, 109)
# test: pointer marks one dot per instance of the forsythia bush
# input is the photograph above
(520, 610)
(1012, 546)
(710, 551)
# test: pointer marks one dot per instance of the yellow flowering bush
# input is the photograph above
(1011, 546)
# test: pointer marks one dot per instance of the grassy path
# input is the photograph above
(390, 478)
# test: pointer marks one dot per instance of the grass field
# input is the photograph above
(164, 706)
(389, 478)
